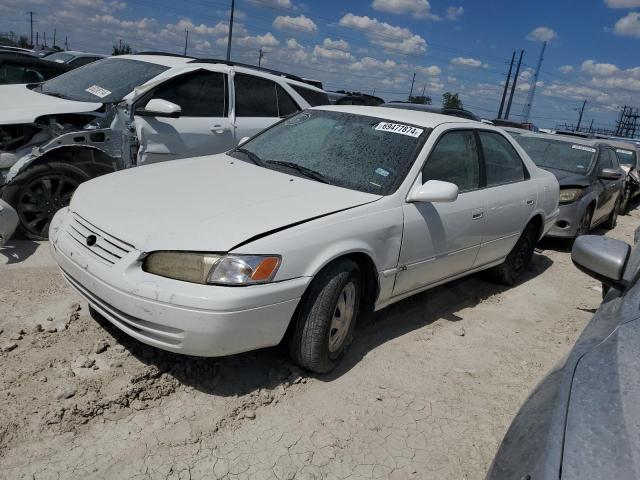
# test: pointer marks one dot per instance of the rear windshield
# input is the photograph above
(363, 153)
(105, 81)
(626, 157)
(313, 97)
(570, 157)
(60, 57)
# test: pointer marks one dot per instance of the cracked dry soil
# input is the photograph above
(426, 391)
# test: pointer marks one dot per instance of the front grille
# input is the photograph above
(106, 248)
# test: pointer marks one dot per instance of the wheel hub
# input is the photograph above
(342, 317)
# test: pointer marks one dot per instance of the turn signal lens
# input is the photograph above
(245, 269)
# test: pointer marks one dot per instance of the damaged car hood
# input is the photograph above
(23, 105)
(212, 203)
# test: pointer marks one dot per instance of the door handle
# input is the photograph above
(477, 215)
(219, 128)
(530, 202)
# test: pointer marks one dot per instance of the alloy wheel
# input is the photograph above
(342, 317)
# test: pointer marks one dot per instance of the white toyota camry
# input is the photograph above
(298, 232)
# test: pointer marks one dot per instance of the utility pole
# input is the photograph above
(506, 85)
(526, 111)
(580, 116)
(45, 38)
(66, 43)
(31, 24)
(423, 89)
(591, 126)
(260, 56)
(513, 87)
(233, 6)
(374, 91)
(186, 40)
(37, 38)
(412, 82)
(54, 38)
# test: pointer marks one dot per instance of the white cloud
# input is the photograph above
(332, 54)
(628, 26)
(293, 44)
(382, 34)
(296, 24)
(337, 44)
(575, 92)
(373, 64)
(626, 83)
(566, 69)
(622, 3)
(454, 13)
(266, 40)
(417, 8)
(274, 3)
(467, 62)
(433, 70)
(542, 34)
(590, 67)
(205, 45)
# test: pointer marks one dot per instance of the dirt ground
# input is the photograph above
(427, 390)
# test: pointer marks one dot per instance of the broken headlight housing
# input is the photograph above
(211, 268)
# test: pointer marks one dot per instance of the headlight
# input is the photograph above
(570, 195)
(210, 268)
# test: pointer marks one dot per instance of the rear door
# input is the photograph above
(203, 127)
(259, 103)
(441, 240)
(511, 196)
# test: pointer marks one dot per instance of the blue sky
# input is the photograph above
(452, 45)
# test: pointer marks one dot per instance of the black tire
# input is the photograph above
(313, 335)
(39, 192)
(518, 259)
(612, 220)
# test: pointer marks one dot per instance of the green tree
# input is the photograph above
(122, 48)
(451, 100)
(424, 100)
(23, 42)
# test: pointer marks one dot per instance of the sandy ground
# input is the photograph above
(427, 390)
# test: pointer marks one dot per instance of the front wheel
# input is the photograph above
(39, 192)
(326, 317)
(518, 259)
(612, 220)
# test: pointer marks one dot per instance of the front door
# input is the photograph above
(441, 240)
(203, 127)
(607, 189)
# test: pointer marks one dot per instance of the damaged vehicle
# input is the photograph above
(125, 111)
(330, 214)
(629, 160)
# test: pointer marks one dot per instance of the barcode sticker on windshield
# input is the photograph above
(582, 147)
(625, 152)
(97, 91)
(399, 128)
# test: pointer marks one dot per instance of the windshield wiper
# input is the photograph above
(250, 155)
(307, 172)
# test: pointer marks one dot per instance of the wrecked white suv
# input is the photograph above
(126, 111)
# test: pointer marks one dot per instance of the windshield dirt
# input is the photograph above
(104, 81)
(363, 153)
(557, 154)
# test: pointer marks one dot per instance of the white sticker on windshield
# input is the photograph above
(382, 171)
(582, 147)
(625, 152)
(97, 91)
(400, 128)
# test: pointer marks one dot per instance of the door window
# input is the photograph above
(10, 74)
(286, 105)
(502, 162)
(255, 97)
(454, 159)
(200, 94)
(313, 97)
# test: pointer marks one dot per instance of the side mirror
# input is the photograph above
(602, 258)
(157, 107)
(243, 140)
(434, 191)
(610, 174)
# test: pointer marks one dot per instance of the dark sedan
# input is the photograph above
(590, 177)
(583, 420)
(19, 68)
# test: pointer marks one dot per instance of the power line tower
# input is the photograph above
(584, 104)
(260, 57)
(628, 123)
(526, 111)
(506, 85)
(513, 87)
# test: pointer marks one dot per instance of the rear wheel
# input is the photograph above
(518, 259)
(326, 317)
(39, 192)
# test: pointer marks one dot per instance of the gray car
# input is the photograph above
(583, 420)
(591, 180)
(627, 152)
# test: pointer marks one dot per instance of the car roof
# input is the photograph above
(159, 59)
(414, 117)
(589, 142)
(81, 54)
(621, 144)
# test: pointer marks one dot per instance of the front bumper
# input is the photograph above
(568, 220)
(181, 317)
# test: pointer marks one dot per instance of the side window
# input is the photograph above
(312, 97)
(605, 159)
(255, 97)
(10, 74)
(501, 161)
(286, 105)
(454, 159)
(614, 158)
(200, 94)
(80, 61)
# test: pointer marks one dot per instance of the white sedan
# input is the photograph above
(298, 232)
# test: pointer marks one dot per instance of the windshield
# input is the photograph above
(626, 157)
(367, 154)
(105, 81)
(558, 154)
(60, 57)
